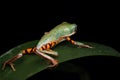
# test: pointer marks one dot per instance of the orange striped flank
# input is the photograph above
(28, 51)
(48, 46)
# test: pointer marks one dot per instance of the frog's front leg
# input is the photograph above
(79, 44)
(41, 53)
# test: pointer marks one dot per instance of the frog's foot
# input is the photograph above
(54, 63)
(10, 61)
(11, 64)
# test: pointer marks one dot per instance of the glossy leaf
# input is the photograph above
(29, 65)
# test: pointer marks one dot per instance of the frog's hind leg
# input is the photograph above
(10, 61)
(79, 44)
(42, 54)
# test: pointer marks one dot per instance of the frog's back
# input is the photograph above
(53, 35)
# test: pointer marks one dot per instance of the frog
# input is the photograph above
(61, 32)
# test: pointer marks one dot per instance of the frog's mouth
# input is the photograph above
(75, 27)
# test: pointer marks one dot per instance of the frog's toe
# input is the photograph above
(54, 63)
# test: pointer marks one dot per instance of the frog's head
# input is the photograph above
(69, 28)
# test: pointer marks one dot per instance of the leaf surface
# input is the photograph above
(29, 65)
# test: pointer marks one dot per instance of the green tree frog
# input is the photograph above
(58, 34)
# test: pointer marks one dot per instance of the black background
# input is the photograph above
(26, 21)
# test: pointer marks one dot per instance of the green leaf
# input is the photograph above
(29, 65)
